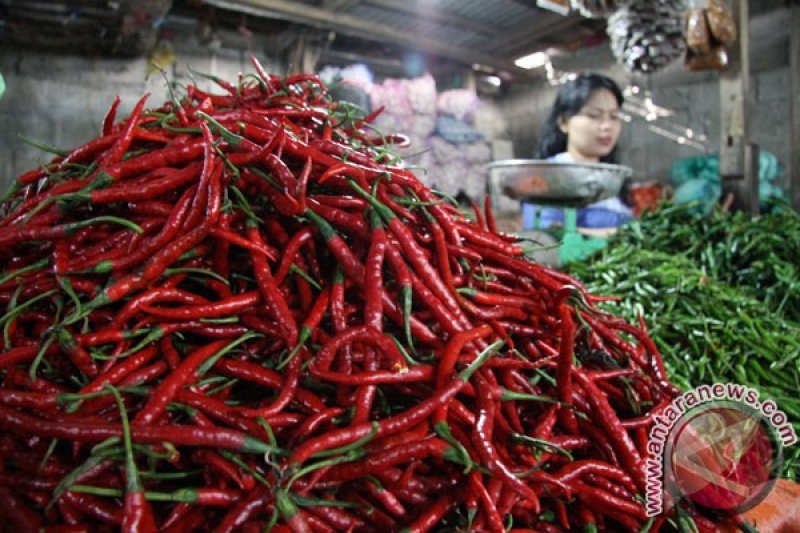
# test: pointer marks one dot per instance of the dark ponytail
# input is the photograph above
(570, 100)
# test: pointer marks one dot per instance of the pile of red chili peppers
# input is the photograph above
(239, 311)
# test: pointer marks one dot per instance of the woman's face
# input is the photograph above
(593, 132)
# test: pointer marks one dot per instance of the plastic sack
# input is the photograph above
(477, 153)
(422, 94)
(459, 103)
(720, 22)
(456, 131)
(422, 126)
(697, 179)
(704, 193)
(768, 166)
(707, 167)
(356, 74)
(697, 36)
(714, 59)
(698, 167)
(768, 191)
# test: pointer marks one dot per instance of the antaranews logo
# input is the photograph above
(717, 446)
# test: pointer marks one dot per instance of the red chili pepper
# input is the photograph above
(493, 518)
(263, 76)
(150, 246)
(108, 121)
(290, 513)
(350, 264)
(379, 461)
(237, 197)
(165, 157)
(388, 500)
(230, 306)
(415, 254)
(391, 425)
(340, 519)
(351, 222)
(79, 356)
(315, 523)
(94, 507)
(371, 514)
(218, 410)
(38, 401)
(153, 187)
(241, 512)
(12, 236)
(20, 354)
(366, 393)
(184, 518)
(613, 506)
(618, 436)
(656, 362)
(118, 149)
(184, 374)
(315, 422)
(565, 365)
(364, 334)
(223, 467)
(373, 283)
(156, 265)
(482, 438)
(16, 512)
(434, 514)
(96, 432)
(290, 253)
(346, 203)
(491, 225)
(445, 316)
(488, 241)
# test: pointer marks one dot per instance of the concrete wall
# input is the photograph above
(61, 100)
(697, 105)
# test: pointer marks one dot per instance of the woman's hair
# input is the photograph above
(570, 100)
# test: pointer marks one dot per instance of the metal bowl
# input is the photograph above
(555, 183)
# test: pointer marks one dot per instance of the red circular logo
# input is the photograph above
(725, 457)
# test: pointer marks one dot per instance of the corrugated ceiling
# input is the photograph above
(457, 32)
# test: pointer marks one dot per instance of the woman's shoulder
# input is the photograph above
(563, 157)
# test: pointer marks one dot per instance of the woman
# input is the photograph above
(583, 127)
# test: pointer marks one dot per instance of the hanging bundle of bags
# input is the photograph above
(709, 31)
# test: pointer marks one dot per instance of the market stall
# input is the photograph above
(294, 293)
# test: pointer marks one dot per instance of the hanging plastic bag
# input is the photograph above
(714, 59)
(697, 36)
(720, 22)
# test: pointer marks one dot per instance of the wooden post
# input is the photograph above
(735, 167)
(794, 106)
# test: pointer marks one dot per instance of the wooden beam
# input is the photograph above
(428, 13)
(348, 24)
(794, 105)
(339, 5)
(738, 160)
(343, 57)
(521, 39)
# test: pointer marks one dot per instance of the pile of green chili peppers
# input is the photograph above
(720, 295)
(760, 256)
